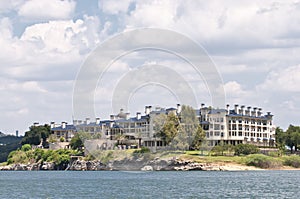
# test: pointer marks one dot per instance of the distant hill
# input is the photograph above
(8, 143)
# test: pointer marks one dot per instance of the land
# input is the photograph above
(134, 160)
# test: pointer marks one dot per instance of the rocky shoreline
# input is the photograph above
(136, 164)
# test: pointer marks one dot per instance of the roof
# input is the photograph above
(216, 111)
(60, 128)
(133, 119)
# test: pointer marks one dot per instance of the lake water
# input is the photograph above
(114, 184)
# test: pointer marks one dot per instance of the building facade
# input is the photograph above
(238, 125)
(230, 126)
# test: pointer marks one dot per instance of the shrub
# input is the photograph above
(61, 139)
(293, 161)
(245, 149)
(262, 161)
(26, 147)
(142, 150)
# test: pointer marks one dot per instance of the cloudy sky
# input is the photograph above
(255, 46)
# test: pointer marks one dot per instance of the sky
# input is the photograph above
(254, 45)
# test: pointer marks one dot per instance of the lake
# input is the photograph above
(163, 184)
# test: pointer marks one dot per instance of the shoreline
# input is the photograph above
(157, 165)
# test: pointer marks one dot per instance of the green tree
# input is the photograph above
(36, 134)
(292, 137)
(190, 123)
(170, 128)
(77, 141)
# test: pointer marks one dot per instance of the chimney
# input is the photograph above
(79, 122)
(112, 117)
(63, 125)
(36, 124)
(111, 124)
(87, 120)
(138, 115)
(249, 110)
(75, 122)
(254, 112)
(17, 133)
(127, 116)
(259, 112)
(236, 106)
(202, 105)
(242, 109)
(227, 107)
(52, 125)
(98, 120)
(148, 110)
(178, 108)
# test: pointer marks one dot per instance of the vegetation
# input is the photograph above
(9, 143)
(222, 149)
(181, 132)
(142, 150)
(77, 142)
(293, 161)
(290, 138)
(262, 161)
(36, 134)
(60, 157)
(245, 149)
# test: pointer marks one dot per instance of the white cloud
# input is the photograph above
(114, 6)
(286, 79)
(8, 5)
(47, 10)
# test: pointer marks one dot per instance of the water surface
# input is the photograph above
(114, 184)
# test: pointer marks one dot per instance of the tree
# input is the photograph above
(190, 124)
(292, 137)
(35, 134)
(170, 127)
(77, 141)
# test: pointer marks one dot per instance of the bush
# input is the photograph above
(142, 150)
(262, 161)
(26, 147)
(245, 149)
(293, 161)
(61, 139)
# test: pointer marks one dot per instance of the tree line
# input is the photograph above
(290, 138)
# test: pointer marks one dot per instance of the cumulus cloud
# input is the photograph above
(286, 80)
(8, 5)
(47, 10)
(251, 43)
(114, 6)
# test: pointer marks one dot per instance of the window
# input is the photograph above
(240, 133)
(217, 133)
(217, 126)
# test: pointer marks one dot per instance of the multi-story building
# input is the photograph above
(230, 126)
(64, 130)
(239, 125)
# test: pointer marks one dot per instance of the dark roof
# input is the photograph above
(68, 127)
(215, 111)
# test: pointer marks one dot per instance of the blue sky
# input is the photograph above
(254, 44)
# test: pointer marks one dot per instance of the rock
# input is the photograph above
(147, 168)
(48, 166)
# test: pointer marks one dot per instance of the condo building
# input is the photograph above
(230, 126)
(238, 125)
